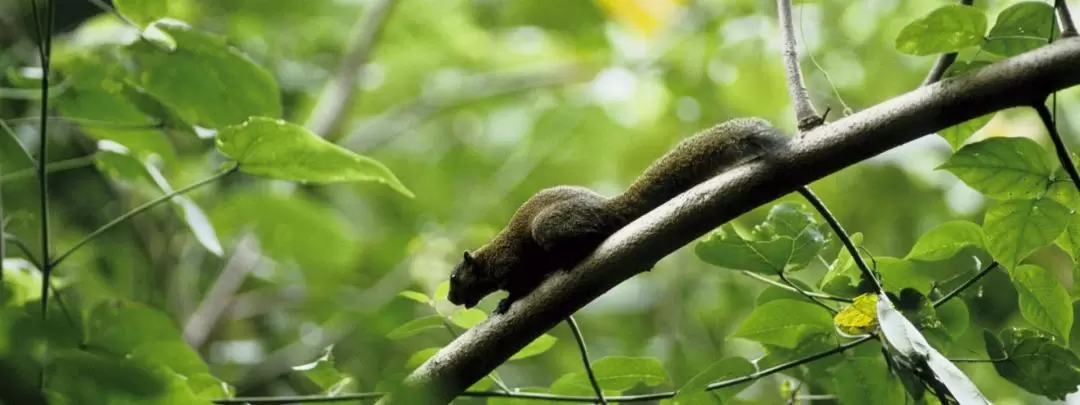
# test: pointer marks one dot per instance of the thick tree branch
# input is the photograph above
(807, 117)
(823, 151)
(338, 95)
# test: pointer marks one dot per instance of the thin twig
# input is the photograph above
(795, 363)
(941, 65)
(7, 237)
(807, 117)
(1059, 144)
(968, 283)
(1003, 359)
(98, 123)
(67, 164)
(1064, 17)
(139, 210)
(783, 277)
(245, 257)
(840, 233)
(43, 25)
(339, 95)
(585, 359)
(791, 288)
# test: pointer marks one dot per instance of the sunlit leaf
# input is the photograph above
(788, 240)
(858, 318)
(415, 296)
(945, 240)
(537, 346)
(416, 326)
(282, 150)
(949, 28)
(622, 373)
(785, 323)
(1020, 28)
(173, 354)
(142, 11)
(693, 392)
(110, 326)
(468, 318)
(1004, 168)
(207, 82)
(1015, 228)
(1035, 362)
(1043, 300)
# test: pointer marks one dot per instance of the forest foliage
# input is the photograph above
(204, 243)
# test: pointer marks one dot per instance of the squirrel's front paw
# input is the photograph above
(503, 306)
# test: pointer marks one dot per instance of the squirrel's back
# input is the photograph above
(696, 159)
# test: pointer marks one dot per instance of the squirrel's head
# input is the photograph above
(468, 282)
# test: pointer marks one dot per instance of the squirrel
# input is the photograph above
(558, 227)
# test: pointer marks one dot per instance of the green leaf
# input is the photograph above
(78, 374)
(1003, 168)
(418, 358)
(945, 240)
(1020, 28)
(324, 373)
(955, 317)
(290, 228)
(1015, 228)
(950, 28)
(1035, 362)
(142, 12)
(843, 276)
(957, 134)
(1043, 300)
(176, 355)
(898, 274)
(206, 386)
(621, 373)
(99, 92)
(207, 82)
(416, 326)
(1069, 241)
(415, 296)
(13, 156)
(537, 346)
(468, 318)
(785, 323)
(866, 381)
(787, 241)
(693, 392)
(282, 150)
(110, 326)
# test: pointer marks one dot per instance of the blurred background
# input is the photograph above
(475, 105)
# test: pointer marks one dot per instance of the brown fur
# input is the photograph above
(558, 227)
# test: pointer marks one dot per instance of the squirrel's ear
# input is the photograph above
(468, 258)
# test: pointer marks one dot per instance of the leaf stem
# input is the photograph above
(840, 233)
(791, 288)
(67, 164)
(142, 208)
(965, 285)
(585, 359)
(1059, 144)
(783, 277)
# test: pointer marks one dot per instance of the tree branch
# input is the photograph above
(807, 117)
(821, 152)
(338, 95)
(1068, 28)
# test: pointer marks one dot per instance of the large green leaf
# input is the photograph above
(142, 11)
(788, 240)
(1035, 362)
(537, 346)
(175, 355)
(1020, 28)
(1015, 228)
(1003, 168)
(110, 326)
(621, 373)
(785, 323)
(949, 28)
(945, 240)
(1069, 241)
(693, 392)
(282, 150)
(957, 134)
(99, 94)
(866, 381)
(416, 326)
(207, 82)
(1043, 300)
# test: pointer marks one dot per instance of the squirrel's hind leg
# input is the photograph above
(568, 231)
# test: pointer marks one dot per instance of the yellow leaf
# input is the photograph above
(646, 16)
(860, 317)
